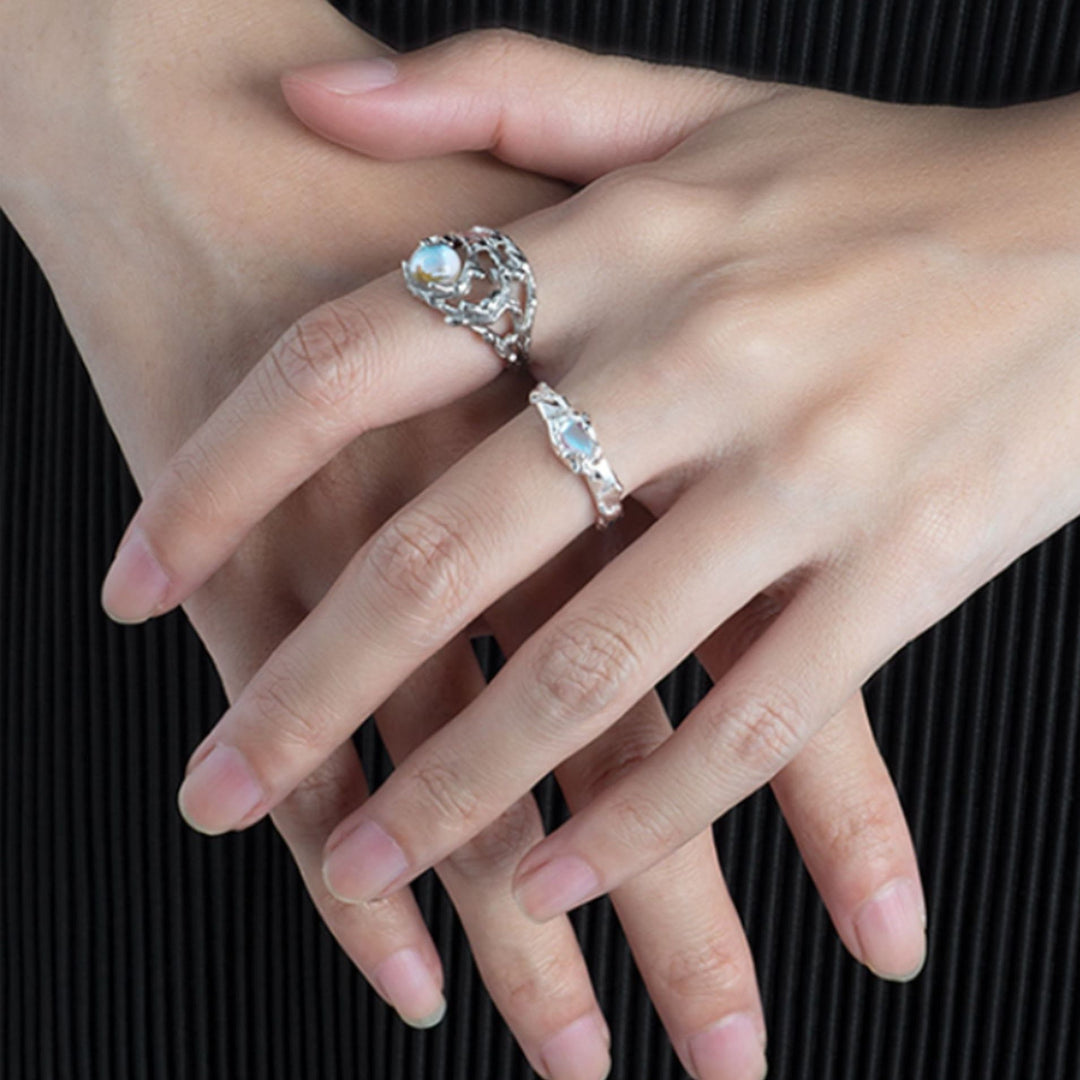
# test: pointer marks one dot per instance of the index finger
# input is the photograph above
(364, 360)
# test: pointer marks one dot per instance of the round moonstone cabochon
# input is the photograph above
(435, 262)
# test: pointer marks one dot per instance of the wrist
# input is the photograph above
(74, 72)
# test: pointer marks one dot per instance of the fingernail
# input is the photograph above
(406, 982)
(135, 584)
(555, 887)
(891, 928)
(578, 1052)
(362, 865)
(219, 792)
(350, 77)
(732, 1049)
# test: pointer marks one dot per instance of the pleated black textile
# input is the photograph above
(132, 948)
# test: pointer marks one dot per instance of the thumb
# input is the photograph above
(535, 103)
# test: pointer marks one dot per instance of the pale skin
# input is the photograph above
(841, 361)
(842, 358)
(220, 219)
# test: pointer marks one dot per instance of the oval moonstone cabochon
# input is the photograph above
(576, 441)
(435, 262)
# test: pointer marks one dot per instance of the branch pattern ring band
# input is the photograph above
(573, 438)
(442, 271)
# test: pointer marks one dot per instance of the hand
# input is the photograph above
(151, 226)
(863, 378)
(819, 829)
(389, 588)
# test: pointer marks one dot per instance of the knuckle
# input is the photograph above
(751, 326)
(326, 359)
(533, 980)
(704, 970)
(665, 211)
(584, 664)
(839, 458)
(422, 559)
(498, 848)
(641, 824)
(281, 708)
(762, 730)
(861, 832)
(447, 801)
(730, 331)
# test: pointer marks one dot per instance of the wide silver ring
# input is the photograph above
(443, 271)
(576, 445)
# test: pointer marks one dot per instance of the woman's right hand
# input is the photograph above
(187, 187)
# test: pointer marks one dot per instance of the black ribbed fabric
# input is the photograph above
(132, 948)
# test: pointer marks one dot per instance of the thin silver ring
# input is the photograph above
(442, 271)
(574, 440)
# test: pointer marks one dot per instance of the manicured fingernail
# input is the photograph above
(362, 865)
(406, 982)
(891, 930)
(135, 583)
(732, 1049)
(555, 887)
(578, 1052)
(219, 792)
(350, 77)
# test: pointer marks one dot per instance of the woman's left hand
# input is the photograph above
(830, 343)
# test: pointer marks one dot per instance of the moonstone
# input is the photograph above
(435, 262)
(577, 440)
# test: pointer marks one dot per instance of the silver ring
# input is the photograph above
(574, 441)
(442, 272)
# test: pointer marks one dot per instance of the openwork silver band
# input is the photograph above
(443, 271)
(575, 443)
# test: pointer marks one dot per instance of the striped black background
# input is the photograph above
(131, 948)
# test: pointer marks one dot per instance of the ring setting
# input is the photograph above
(444, 272)
(575, 442)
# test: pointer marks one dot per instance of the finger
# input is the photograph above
(575, 676)
(536, 975)
(388, 941)
(837, 630)
(535, 103)
(688, 942)
(845, 815)
(358, 362)
(485, 524)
